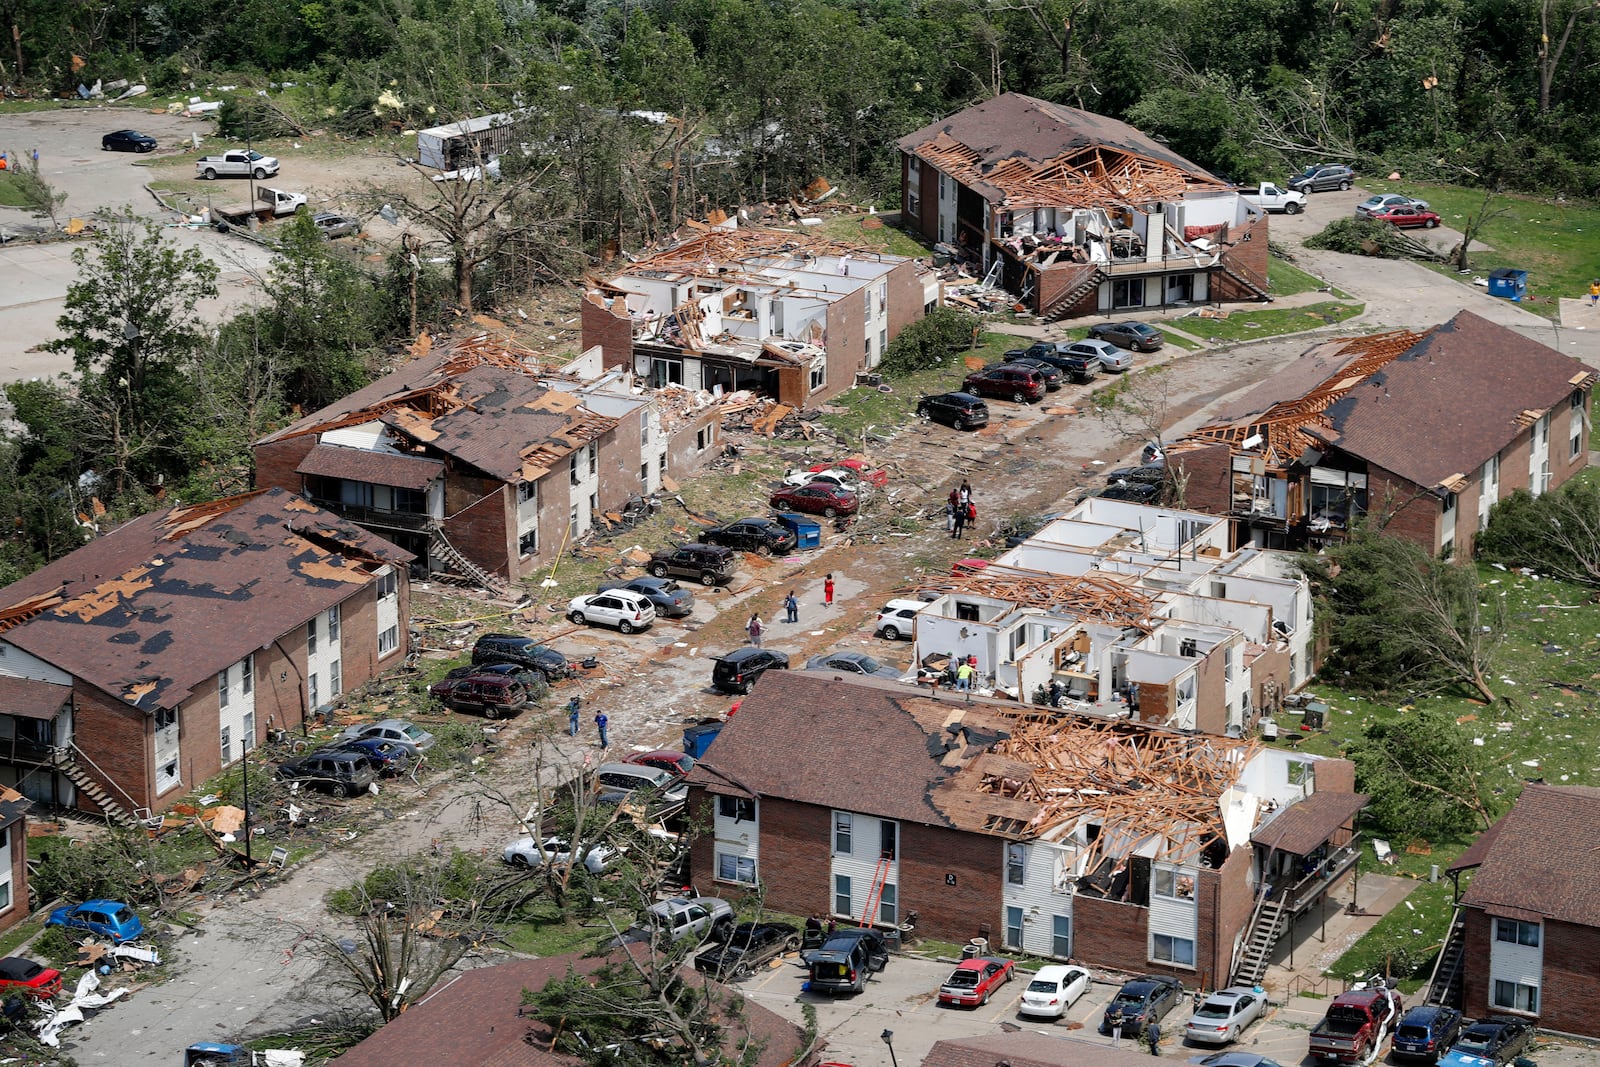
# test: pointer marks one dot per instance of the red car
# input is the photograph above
(819, 498)
(673, 762)
(1009, 381)
(25, 976)
(1405, 216)
(974, 981)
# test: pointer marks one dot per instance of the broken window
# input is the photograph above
(311, 638)
(528, 543)
(739, 809)
(333, 623)
(665, 372)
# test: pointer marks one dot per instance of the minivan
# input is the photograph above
(630, 777)
(846, 960)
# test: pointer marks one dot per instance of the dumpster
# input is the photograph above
(698, 738)
(808, 530)
(1509, 283)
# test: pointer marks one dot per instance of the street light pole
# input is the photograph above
(888, 1039)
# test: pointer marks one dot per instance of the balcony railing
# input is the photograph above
(1302, 894)
(363, 515)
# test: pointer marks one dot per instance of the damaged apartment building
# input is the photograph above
(481, 461)
(1111, 843)
(1076, 213)
(1132, 612)
(1427, 430)
(784, 314)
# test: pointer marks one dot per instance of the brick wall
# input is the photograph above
(1225, 905)
(1563, 464)
(276, 462)
(684, 456)
(1569, 993)
(1209, 487)
(1414, 513)
(927, 222)
(1334, 776)
(905, 297)
(847, 339)
(1056, 280)
(281, 682)
(610, 328)
(618, 461)
(21, 904)
(1155, 702)
(116, 741)
(1246, 254)
(1477, 932)
(484, 529)
(1109, 933)
(1271, 666)
(1211, 694)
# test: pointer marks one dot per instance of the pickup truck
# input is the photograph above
(237, 163)
(1268, 197)
(269, 203)
(1356, 1026)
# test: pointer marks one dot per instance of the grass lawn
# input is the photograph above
(1249, 324)
(1286, 279)
(871, 231)
(1177, 340)
(1556, 243)
(858, 410)
(10, 195)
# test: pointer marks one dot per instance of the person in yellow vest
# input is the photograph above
(1594, 289)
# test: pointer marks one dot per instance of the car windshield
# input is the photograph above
(1128, 1000)
(1214, 1009)
(869, 665)
(1040, 985)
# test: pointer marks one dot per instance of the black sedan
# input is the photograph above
(959, 410)
(667, 596)
(749, 946)
(1499, 1038)
(1152, 473)
(1131, 335)
(753, 535)
(127, 141)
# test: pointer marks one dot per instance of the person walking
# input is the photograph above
(754, 627)
(949, 518)
(827, 590)
(601, 722)
(1152, 1037)
(964, 494)
(1594, 292)
(1116, 1032)
(791, 608)
(574, 706)
(959, 522)
(964, 675)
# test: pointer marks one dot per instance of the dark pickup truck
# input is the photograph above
(1077, 366)
(1356, 1026)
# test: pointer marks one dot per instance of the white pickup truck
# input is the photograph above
(1268, 197)
(237, 163)
(270, 203)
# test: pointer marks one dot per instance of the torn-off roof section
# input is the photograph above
(1027, 152)
(163, 603)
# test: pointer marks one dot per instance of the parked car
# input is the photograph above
(109, 919)
(852, 663)
(670, 599)
(1236, 1059)
(1110, 357)
(523, 651)
(1138, 336)
(846, 960)
(1499, 1038)
(489, 695)
(1426, 1031)
(1141, 1001)
(1378, 203)
(1054, 377)
(738, 670)
(1223, 1016)
(1406, 217)
(845, 480)
(1355, 1024)
(414, 739)
(530, 679)
(387, 756)
(711, 564)
(331, 224)
(127, 141)
(816, 499)
(680, 918)
(1136, 492)
(974, 981)
(748, 946)
(767, 536)
(1008, 380)
(1081, 365)
(897, 618)
(1054, 989)
(596, 857)
(18, 975)
(670, 760)
(338, 771)
(960, 411)
(1148, 473)
(637, 777)
(622, 608)
(1323, 177)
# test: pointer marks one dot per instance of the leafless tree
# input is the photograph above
(1139, 407)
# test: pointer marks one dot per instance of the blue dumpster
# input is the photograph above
(1511, 284)
(809, 531)
(696, 739)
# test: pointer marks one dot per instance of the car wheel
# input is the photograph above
(258, 174)
(576, 617)
(1430, 224)
(829, 513)
(658, 569)
(104, 147)
(721, 929)
(147, 148)
(892, 632)
(210, 174)
(958, 423)
(708, 578)
(791, 944)
(491, 712)
(625, 626)
(1019, 397)
(340, 789)
(1344, 186)
(1292, 209)
(519, 860)
(923, 412)
(985, 999)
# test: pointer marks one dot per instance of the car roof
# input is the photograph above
(1056, 971)
(641, 770)
(739, 655)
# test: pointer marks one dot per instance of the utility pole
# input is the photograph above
(244, 745)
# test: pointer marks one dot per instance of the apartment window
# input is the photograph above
(1014, 928)
(388, 583)
(333, 624)
(1016, 863)
(409, 501)
(248, 666)
(1171, 884)
(528, 543)
(1061, 936)
(883, 297)
(739, 809)
(572, 517)
(389, 640)
(914, 187)
(572, 470)
(1127, 293)
(644, 473)
(594, 459)
(594, 503)
(889, 904)
(335, 680)
(819, 374)
(704, 438)
(731, 868)
(224, 698)
(166, 717)
(247, 731)
(1513, 932)
(1575, 402)
(843, 832)
(1227, 664)
(227, 744)
(883, 339)
(644, 427)
(841, 895)
(886, 839)
(1516, 996)
(311, 638)
(1175, 950)
(313, 691)
(665, 372)
(528, 493)
(1575, 446)
(1299, 772)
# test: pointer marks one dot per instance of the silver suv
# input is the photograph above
(1322, 177)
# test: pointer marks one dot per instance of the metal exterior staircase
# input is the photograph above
(1444, 987)
(1271, 919)
(1062, 305)
(440, 548)
(62, 760)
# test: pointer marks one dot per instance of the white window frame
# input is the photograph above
(1169, 949)
(844, 831)
(1524, 998)
(389, 640)
(732, 867)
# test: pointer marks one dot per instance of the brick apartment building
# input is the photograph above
(142, 664)
(1530, 914)
(14, 900)
(1427, 430)
(1083, 213)
(887, 801)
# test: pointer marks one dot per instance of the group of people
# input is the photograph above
(960, 512)
(791, 611)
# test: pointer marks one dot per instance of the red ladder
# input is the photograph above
(875, 894)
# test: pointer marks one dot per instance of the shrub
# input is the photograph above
(930, 342)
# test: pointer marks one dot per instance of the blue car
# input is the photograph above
(1426, 1031)
(108, 918)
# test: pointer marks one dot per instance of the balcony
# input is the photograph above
(383, 519)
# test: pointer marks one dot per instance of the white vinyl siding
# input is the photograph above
(1515, 966)
(736, 828)
(1174, 918)
(859, 864)
(7, 896)
(1044, 897)
(236, 700)
(1539, 455)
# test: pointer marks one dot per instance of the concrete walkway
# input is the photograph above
(1321, 936)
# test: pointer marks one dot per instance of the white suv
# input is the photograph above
(897, 618)
(626, 610)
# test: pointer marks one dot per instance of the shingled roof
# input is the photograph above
(1544, 861)
(159, 605)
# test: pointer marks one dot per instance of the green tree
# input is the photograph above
(931, 341)
(1426, 777)
(1555, 533)
(39, 196)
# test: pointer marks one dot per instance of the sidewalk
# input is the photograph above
(1321, 936)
